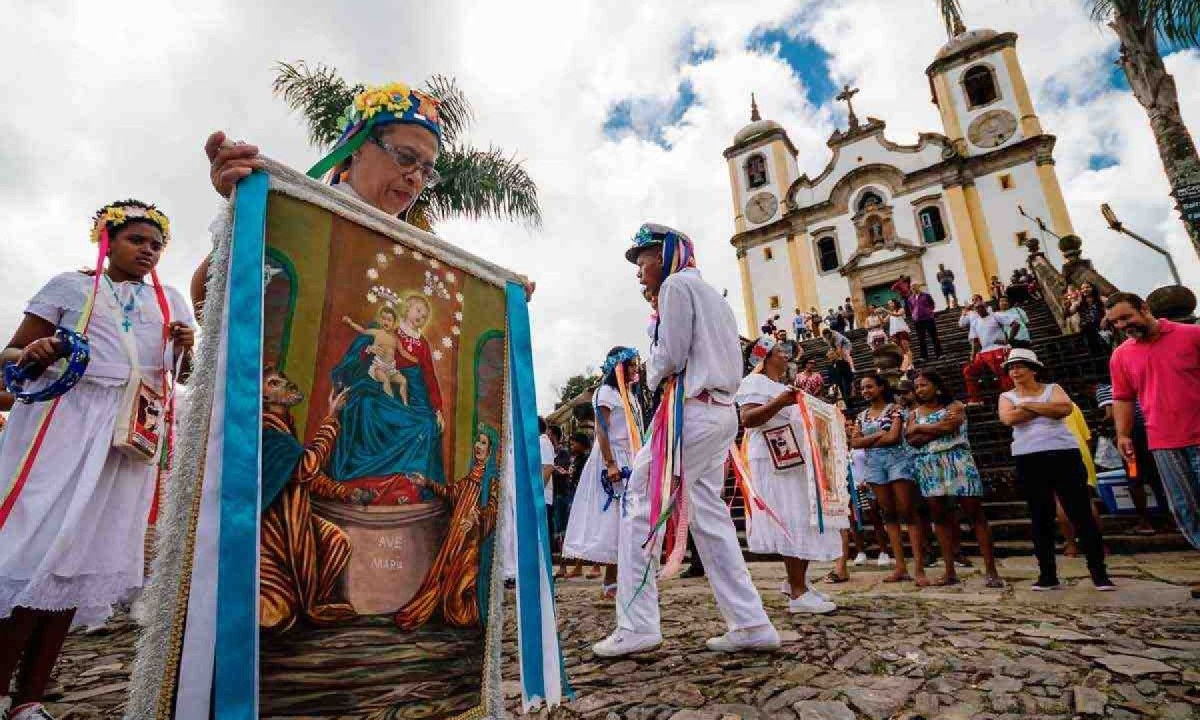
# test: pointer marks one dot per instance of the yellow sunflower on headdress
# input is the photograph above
(392, 97)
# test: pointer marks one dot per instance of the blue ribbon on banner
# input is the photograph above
(235, 673)
(533, 558)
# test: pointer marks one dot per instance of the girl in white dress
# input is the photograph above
(780, 463)
(595, 515)
(72, 533)
(899, 331)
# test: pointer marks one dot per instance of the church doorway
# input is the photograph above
(879, 295)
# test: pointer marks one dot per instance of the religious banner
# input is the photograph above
(829, 453)
(361, 430)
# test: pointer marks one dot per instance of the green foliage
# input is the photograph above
(575, 385)
(1177, 21)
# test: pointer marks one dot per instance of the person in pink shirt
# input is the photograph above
(1158, 366)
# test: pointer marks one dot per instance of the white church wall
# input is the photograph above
(1004, 219)
(772, 278)
(790, 170)
(949, 254)
(869, 151)
(1007, 99)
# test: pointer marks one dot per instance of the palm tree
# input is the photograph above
(475, 183)
(1139, 25)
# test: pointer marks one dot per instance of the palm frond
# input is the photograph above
(483, 183)
(1176, 21)
(455, 112)
(952, 17)
(319, 93)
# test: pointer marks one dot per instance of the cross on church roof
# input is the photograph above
(847, 94)
(754, 116)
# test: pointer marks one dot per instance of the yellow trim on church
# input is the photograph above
(983, 238)
(946, 105)
(739, 222)
(1030, 125)
(779, 152)
(964, 232)
(1060, 219)
(747, 294)
(804, 274)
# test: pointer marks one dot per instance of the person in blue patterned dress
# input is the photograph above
(946, 473)
(878, 430)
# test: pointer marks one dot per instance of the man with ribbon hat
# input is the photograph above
(695, 357)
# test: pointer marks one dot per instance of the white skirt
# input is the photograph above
(75, 536)
(896, 324)
(786, 492)
(592, 530)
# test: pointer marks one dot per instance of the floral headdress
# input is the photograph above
(114, 215)
(618, 358)
(373, 107)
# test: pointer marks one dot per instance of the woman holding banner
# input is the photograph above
(781, 470)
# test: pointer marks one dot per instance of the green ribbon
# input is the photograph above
(341, 152)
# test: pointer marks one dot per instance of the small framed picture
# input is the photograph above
(785, 449)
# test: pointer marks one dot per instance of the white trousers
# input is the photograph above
(708, 433)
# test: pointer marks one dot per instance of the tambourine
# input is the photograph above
(77, 354)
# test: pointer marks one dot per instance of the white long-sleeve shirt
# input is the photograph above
(696, 330)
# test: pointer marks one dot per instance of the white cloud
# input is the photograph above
(107, 100)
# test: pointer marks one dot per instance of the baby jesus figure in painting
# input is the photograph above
(451, 584)
(385, 347)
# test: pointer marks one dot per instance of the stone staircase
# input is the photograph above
(1069, 364)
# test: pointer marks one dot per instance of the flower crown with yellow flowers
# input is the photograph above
(375, 106)
(114, 215)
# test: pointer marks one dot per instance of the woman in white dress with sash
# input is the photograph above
(780, 463)
(595, 514)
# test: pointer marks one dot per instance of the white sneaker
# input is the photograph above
(761, 638)
(32, 712)
(626, 642)
(5, 706)
(884, 560)
(811, 603)
(786, 588)
(859, 559)
(812, 589)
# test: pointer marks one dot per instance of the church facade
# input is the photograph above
(880, 210)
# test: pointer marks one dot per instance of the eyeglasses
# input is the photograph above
(406, 160)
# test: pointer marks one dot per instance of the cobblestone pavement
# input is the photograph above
(963, 652)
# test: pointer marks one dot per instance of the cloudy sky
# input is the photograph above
(620, 109)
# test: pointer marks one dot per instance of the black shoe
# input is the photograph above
(692, 571)
(1103, 583)
(1044, 585)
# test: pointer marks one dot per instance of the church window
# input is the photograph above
(932, 228)
(827, 254)
(980, 85)
(875, 230)
(1006, 182)
(767, 254)
(756, 171)
(773, 302)
(868, 199)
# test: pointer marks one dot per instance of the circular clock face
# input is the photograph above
(992, 129)
(761, 207)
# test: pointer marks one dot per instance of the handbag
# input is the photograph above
(784, 448)
(141, 427)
